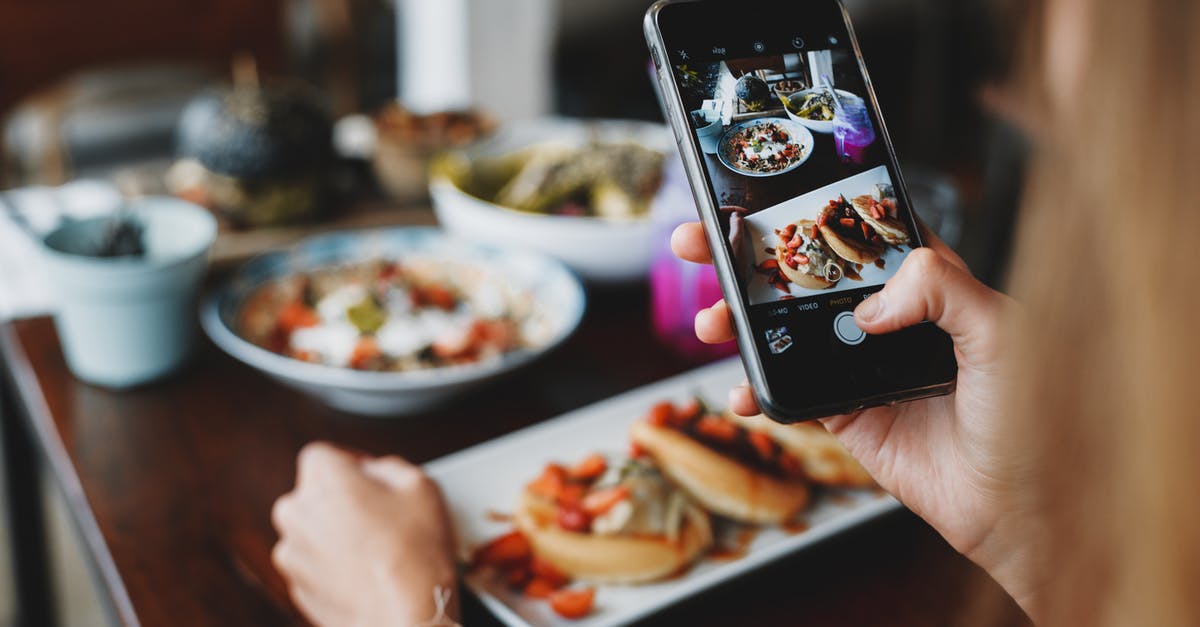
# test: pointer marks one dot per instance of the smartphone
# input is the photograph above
(801, 199)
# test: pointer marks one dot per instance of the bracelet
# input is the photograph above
(441, 598)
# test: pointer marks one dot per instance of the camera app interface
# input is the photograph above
(801, 176)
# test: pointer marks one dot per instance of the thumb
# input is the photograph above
(930, 287)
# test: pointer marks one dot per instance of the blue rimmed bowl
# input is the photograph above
(558, 297)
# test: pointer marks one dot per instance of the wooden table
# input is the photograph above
(171, 486)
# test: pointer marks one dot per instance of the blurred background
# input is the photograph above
(96, 91)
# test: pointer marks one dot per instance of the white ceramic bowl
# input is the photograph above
(558, 296)
(816, 126)
(600, 250)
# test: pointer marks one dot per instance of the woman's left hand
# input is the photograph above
(363, 541)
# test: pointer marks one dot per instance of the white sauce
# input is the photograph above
(334, 342)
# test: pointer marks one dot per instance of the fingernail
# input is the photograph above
(869, 310)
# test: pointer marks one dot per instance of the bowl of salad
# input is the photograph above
(392, 322)
(815, 108)
(579, 191)
(765, 146)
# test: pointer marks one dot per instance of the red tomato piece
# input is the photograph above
(575, 603)
(574, 519)
(509, 550)
(590, 467)
(600, 501)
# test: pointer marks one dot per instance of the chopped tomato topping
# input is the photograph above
(571, 495)
(717, 428)
(546, 571)
(364, 352)
(550, 483)
(600, 501)
(661, 414)
(636, 450)
(762, 444)
(573, 603)
(847, 221)
(388, 270)
(516, 576)
(574, 519)
(790, 465)
(539, 588)
(591, 467)
(510, 549)
(433, 296)
(308, 356)
(297, 315)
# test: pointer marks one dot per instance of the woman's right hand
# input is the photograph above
(947, 458)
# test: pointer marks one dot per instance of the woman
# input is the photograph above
(1063, 464)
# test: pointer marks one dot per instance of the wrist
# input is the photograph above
(1012, 554)
(416, 596)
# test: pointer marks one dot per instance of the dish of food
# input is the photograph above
(765, 147)
(879, 211)
(562, 529)
(391, 322)
(603, 179)
(389, 315)
(852, 238)
(814, 108)
(802, 257)
(849, 230)
(585, 217)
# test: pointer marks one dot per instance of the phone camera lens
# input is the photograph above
(797, 42)
(759, 47)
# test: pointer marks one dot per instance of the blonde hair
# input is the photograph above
(1107, 360)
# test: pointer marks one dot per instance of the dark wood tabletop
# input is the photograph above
(172, 484)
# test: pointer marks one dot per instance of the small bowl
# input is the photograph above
(127, 321)
(600, 250)
(816, 126)
(787, 87)
(558, 294)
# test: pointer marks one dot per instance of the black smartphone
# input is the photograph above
(801, 198)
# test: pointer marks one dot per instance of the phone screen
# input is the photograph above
(807, 197)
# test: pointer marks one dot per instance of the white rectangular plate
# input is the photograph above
(762, 227)
(488, 478)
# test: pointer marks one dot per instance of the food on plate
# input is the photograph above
(817, 106)
(512, 555)
(753, 92)
(802, 257)
(413, 313)
(615, 180)
(735, 469)
(848, 234)
(824, 460)
(611, 521)
(257, 156)
(879, 210)
(765, 146)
